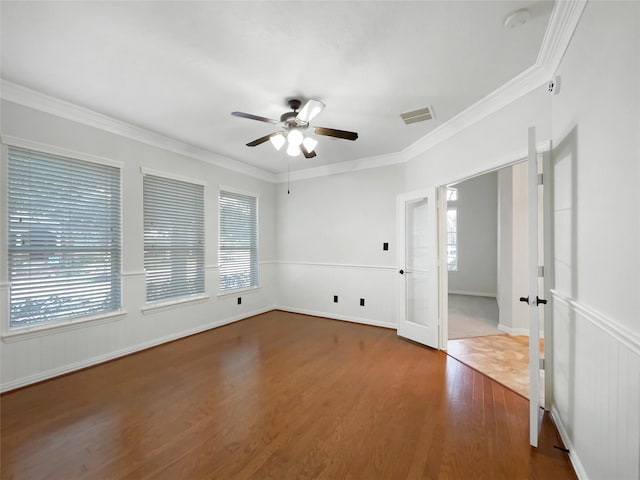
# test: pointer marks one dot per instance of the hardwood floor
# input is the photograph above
(279, 396)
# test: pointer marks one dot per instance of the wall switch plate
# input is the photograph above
(385, 246)
(239, 300)
(362, 302)
(335, 299)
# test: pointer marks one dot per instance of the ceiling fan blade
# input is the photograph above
(255, 117)
(331, 132)
(306, 152)
(260, 140)
(310, 110)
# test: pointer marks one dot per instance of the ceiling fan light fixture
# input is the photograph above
(310, 144)
(293, 150)
(295, 137)
(277, 140)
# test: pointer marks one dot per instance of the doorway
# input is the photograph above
(487, 271)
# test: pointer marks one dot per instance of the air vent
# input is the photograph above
(417, 115)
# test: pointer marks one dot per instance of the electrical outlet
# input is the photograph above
(385, 246)
(362, 302)
(335, 299)
(239, 300)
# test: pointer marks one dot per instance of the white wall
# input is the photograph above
(331, 232)
(596, 297)
(477, 217)
(513, 249)
(31, 358)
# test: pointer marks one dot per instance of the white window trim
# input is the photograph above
(235, 291)
(24, 333)
(8, 333)
(153, 307)
(171, 176)
(162, 305)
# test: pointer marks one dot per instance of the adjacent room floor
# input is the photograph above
(475, 340)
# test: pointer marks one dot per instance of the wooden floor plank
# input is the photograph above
(276, 396)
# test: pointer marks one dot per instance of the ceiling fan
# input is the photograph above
(294, 124)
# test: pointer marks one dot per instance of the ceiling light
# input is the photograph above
(517, 19)
(309, 143)
(277, 140)
(293, 150)
(295, 137)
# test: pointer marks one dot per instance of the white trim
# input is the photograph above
(473, 294)
(27, 97)
(344, 167)
(560, 29)
(337, 265)
(137, 273)
(237, 191)
(58, 151)
(621, 333)
(333, 316)
(523, 332)
(581, 473)
(164, 305)
(159, 173)
(74, 323)
(126, 351)
(238, 291)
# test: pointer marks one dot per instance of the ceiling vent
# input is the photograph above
(417, 115)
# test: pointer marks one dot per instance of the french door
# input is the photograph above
(417, 267)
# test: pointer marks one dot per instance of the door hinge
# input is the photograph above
(540, 179)
(542, 364)
(541, 271)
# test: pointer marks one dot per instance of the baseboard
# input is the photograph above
(516, 331)
(473, 294)
(573, 456)
(56, 372)
(333, 316)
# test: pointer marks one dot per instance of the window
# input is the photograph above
(64, 244)
(238, 244)
(452, 229)
(173, 238)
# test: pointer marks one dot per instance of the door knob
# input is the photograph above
(524, 299)
(401, 272)
(540, 300)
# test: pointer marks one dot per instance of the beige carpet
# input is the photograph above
(471, 316)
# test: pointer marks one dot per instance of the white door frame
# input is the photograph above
(544, 149)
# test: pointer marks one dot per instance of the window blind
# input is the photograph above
(238, 243)
(64, 237)
(173, 238)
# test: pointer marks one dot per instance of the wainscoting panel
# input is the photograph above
(310, 287)
(596, 390)
(35, 357)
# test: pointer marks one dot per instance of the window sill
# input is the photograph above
(237, 291)
(26, 333)
(171, 304)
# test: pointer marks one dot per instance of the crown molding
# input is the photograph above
(343, 167)
(27, 97)
(563, 22)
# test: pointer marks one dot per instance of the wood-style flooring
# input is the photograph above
(279, 396)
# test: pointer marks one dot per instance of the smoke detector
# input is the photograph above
(517, 19)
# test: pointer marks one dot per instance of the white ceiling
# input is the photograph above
(181, 68)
